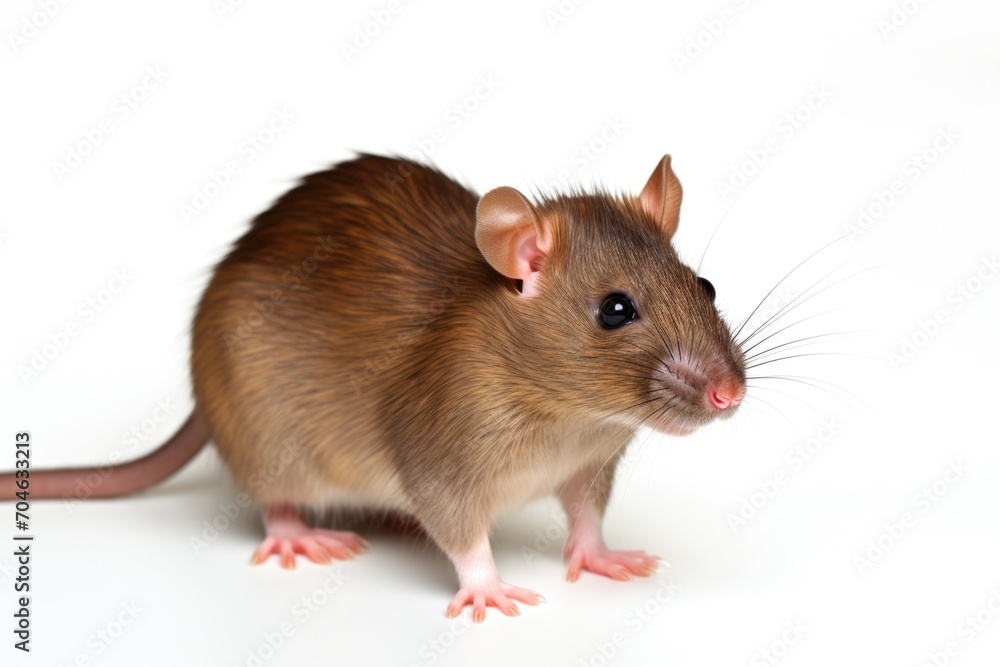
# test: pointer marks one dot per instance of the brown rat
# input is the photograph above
(424, 351)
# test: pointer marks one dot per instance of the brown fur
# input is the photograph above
(402, 372)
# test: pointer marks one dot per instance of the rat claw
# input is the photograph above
(479, 609)
(508, 609)
(287, 555)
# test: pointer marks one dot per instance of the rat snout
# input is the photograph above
(706, 390)
(726, 393)
(711, 389)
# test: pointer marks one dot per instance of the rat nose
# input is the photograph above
(725, 394)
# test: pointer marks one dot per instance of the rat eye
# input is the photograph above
(708, 287)
(616, 311)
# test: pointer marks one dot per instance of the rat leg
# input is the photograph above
(288, 534)
(480, 584)
(584, 498)
(460, 525)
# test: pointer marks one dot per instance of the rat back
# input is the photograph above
(312, 317)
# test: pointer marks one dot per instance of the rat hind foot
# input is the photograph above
(288, 535)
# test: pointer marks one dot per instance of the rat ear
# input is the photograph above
(511, 236)
(661, 197)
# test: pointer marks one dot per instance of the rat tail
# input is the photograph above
(113, 480)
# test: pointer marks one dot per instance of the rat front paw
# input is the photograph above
(618, 565)
(492, 594)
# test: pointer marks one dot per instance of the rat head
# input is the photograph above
(613, 324)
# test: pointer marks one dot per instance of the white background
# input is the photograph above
(610, 77)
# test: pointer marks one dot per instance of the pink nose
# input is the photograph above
(724, 395)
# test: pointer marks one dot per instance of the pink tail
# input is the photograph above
(119, 480)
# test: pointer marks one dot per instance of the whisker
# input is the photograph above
(781, 414)
(716, 230)
(742, 414)
(810, 380)
(636, 363)
(647, 352)
(789, 326)
(604, 376)
(586, 495)
(801, 342)
(810, 354)
(782, 312)
(793, 397)
(787, 275)
(799, 296)
(635, 461)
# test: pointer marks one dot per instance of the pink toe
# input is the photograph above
(617, 565)
(479, 609)
(263, 551)
(287, 555)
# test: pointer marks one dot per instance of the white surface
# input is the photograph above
(608, 68)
